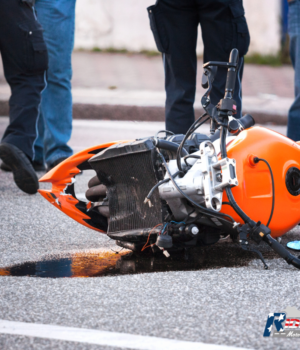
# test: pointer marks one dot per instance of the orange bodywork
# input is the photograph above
(62, 176)
(254, 192)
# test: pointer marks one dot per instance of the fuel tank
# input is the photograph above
(254, 192)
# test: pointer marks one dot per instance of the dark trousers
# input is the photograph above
(24, 56)
(175, 25)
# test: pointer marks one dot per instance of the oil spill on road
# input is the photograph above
(112, 264)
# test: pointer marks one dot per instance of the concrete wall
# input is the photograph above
(264, 21)
(124, 24)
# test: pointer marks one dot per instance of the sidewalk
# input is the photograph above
(131, 87)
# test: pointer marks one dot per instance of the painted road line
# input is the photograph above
(93, 336)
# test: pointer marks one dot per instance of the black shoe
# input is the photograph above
(53, 165)
(5, 167)
(36, 166)
(24, 174)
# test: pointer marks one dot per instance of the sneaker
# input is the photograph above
(36, 166)
(23, 172)
(5, 167)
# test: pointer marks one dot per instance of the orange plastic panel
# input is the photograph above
(62, 176)
(254, 192)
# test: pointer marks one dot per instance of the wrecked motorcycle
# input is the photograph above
(172, 192)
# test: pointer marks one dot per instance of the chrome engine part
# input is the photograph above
(204, 181)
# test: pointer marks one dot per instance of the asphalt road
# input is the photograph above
(219, 305)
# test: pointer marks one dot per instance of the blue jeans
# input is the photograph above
(57, 17)
(293, 131)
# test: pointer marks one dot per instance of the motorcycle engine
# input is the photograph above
(130, 170)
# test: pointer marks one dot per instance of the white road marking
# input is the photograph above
(93, 336)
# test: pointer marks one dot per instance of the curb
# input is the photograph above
(143, 113)
(139, 113)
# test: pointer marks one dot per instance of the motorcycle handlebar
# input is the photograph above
(281, 251)
(245, 122)
(231, 75)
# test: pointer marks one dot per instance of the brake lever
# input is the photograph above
(207, 83)
(212, 110)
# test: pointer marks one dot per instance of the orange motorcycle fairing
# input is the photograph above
(254, 191)
(62, 194)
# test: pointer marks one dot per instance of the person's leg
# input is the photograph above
(293, 131)
(58, 21)
(224, 28)
(177, 23)
(24, 57)
(39, 143)
(24, 110)
(24, 69)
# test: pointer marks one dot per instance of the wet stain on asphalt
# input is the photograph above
(112, 264)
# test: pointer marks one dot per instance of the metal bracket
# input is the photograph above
(229, 178)
(216, 175)
(211, 176)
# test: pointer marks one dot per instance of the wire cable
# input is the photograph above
(145, 246)
(256, 160)
(190, 156)
(193, 127)
(166, 131)
(228, 191)
(147, 199)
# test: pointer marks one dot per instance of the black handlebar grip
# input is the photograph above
(281, 251)
(247, 121)
(234, 56)
(231, 75)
